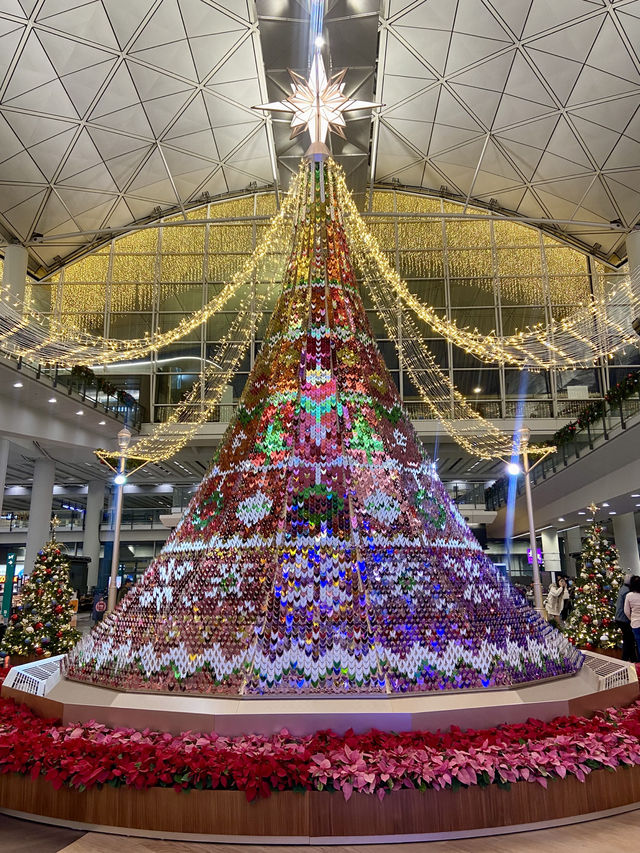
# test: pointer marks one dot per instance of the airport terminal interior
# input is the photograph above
(319, 425)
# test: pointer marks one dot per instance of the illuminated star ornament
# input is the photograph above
(318, 104)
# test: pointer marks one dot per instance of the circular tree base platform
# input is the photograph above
(315, 817)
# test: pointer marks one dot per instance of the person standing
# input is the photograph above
(629, 649)
(632, 608)
(555, 600)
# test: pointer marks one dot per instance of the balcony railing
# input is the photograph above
(87, 390)
(613, 419)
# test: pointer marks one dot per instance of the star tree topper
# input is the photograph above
(318, 104)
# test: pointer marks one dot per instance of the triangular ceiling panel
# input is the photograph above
(513, 14)
(119, 94)
(236, 66)
(83, 155)
(601, 82)
(437, 40)
(164, 26)
(22, 215)
(14, 194)
(126, 18)
(399, 56)
(89, 18)
(98, 177)
(67, 55)
(625, 155)
(83, 86)
(152, 83)
(202, 19)
(207, 51)
(125, 166)
(32, 70)
(422, 107)
(559, 72)
(547, 14)
(160, 111)
(23, 165)
(113, 144)
(619, 61)
(230, 137)
(41, 98)
(466, 50)
(625, 188)
(8, 44)
(50, 153)
(9, 142)
(174, 58)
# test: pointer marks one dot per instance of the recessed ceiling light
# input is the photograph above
(582, 513)
(79, 412)
(605, 504)
(52, 400)
(101, 423)
(17, 384)
(613, 513)
(561, 519)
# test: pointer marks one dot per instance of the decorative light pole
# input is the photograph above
(124, 439)
(523, 449)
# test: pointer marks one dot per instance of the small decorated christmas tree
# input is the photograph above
(41, 626)
(591, 624)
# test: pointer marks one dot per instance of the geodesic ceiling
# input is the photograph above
(112, 111)
(531, 103)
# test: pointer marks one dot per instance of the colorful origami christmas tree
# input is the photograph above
(321, 553)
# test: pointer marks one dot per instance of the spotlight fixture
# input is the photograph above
(102, 423)
(17, 384)
(514, 469)
(52, 400)
(561, 519)
(477, 390)
(79, 412)
(605, 504)
(120, 479)
(319, 42)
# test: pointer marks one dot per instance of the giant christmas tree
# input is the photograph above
(41, 624)
(591, 624)
(321, 553)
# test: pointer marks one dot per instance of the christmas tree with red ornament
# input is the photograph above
(41, 625)
(591, 624)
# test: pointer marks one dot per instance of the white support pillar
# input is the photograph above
(626, 536)
(573, 545)
(44, 472)
(551, 551)
(4, 458)
(14, 272)
(92, 519)
(633, 251)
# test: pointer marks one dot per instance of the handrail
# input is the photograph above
(87, 390)
(613, 418)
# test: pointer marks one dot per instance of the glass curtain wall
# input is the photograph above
(479, 272)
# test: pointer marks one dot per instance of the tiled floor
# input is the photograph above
(600, 836)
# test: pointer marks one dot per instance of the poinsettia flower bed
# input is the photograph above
(90, 754)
